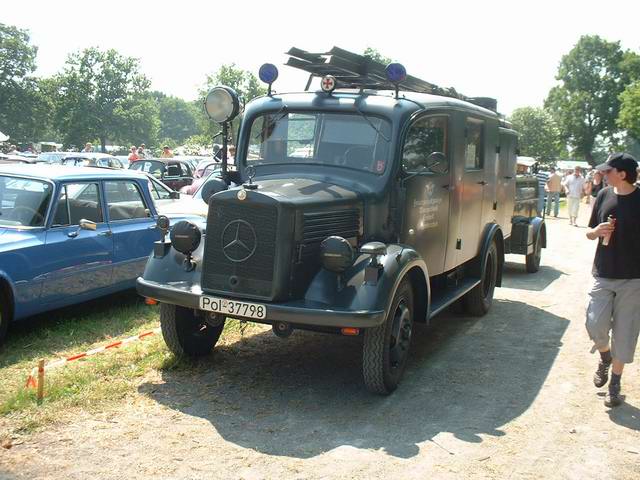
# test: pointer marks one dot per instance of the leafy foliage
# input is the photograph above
(630, 111)
(586, 103)
(539, 134)
(376, 56)
(20, 94)
(102, 95)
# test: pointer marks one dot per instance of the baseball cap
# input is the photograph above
(620, 161)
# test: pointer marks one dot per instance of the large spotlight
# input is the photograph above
(221, 104)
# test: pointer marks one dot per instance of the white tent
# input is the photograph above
(3, 137)
(571, 164)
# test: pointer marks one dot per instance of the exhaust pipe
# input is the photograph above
(282, 329)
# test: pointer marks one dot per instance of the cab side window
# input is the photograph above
(425, 148)
(78, 201)
(474, 153)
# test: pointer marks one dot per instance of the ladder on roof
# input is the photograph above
(352, 70)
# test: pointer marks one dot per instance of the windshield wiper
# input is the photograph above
(370, 122)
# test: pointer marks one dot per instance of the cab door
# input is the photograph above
(427, 183)
(473, 186)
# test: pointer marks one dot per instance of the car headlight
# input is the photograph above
(337, 254)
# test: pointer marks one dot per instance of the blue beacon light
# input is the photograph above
(396, 73)
(268, 73)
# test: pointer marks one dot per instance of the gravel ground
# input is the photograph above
(508, 395)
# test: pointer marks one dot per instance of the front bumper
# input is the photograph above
(296, 313)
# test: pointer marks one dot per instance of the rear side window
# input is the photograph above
(124, 200)
(78, 201)
(425, 147)
(474, 153)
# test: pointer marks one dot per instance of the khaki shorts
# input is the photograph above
(614, 306)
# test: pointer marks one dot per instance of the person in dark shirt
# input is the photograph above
(614, 299)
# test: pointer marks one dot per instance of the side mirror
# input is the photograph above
(212, 186)
(87, 224)
(174, 195)
(437, 162)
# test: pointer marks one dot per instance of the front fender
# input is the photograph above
(169, 268)
(539, 228)
(350, 291)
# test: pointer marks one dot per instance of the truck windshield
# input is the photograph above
(345, 140)
(23, 202)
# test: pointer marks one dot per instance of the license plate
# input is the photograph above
(233, 307)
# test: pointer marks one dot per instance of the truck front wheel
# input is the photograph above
(386, 347)
(185, 333)
(478, 301)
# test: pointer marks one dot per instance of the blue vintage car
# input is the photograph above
(70, 234)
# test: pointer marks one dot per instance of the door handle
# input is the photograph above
(482, 183)
(152, 227)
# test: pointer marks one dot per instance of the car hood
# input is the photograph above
(183, 207)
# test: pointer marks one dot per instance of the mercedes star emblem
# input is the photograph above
(239, 241)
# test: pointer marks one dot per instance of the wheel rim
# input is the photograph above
(401, 332)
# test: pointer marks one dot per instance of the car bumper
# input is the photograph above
(296, 313)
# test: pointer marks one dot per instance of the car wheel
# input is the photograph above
(478, 301)
(185, 333)
(532, 260)
(4, 316)
(386, 347)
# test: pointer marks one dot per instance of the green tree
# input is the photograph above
(245, 83)
(629, 118)
(376, 56)
(23, 113)
(178, 118)
(539, 134)
(586, 103)
(103, 96)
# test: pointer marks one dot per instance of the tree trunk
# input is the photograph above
(103, 144)
(589, 158)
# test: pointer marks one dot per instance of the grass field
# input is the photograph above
(90, 383)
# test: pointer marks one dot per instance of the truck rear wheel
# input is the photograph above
(532, 260)
(185, 333)
(386, 347)
(478, 301)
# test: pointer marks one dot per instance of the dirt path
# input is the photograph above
(505, 396)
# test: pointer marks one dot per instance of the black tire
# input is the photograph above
(386, 347)
(532, 260)
(478, 301)
(4, 315)
(186, 334)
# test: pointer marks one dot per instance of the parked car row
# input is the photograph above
(70, 234)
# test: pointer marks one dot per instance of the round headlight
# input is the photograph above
(185, 237)
(337, 254)
(222, 104)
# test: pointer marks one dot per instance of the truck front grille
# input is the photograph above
(240, 250)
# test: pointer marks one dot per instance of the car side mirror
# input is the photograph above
(87, 225)
(437, 162)
(174, 195)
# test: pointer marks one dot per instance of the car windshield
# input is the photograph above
(154, 168)
(23, 201)
(355, 141)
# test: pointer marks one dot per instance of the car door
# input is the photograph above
(473, 185)
(425, 162)
(77, 260)
(133, 226)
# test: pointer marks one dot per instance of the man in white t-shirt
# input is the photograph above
(574, 188)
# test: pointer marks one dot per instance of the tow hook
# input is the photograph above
(282, 329)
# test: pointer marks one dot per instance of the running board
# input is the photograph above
(443, 299)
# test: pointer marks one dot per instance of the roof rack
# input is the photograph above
(352, 70)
